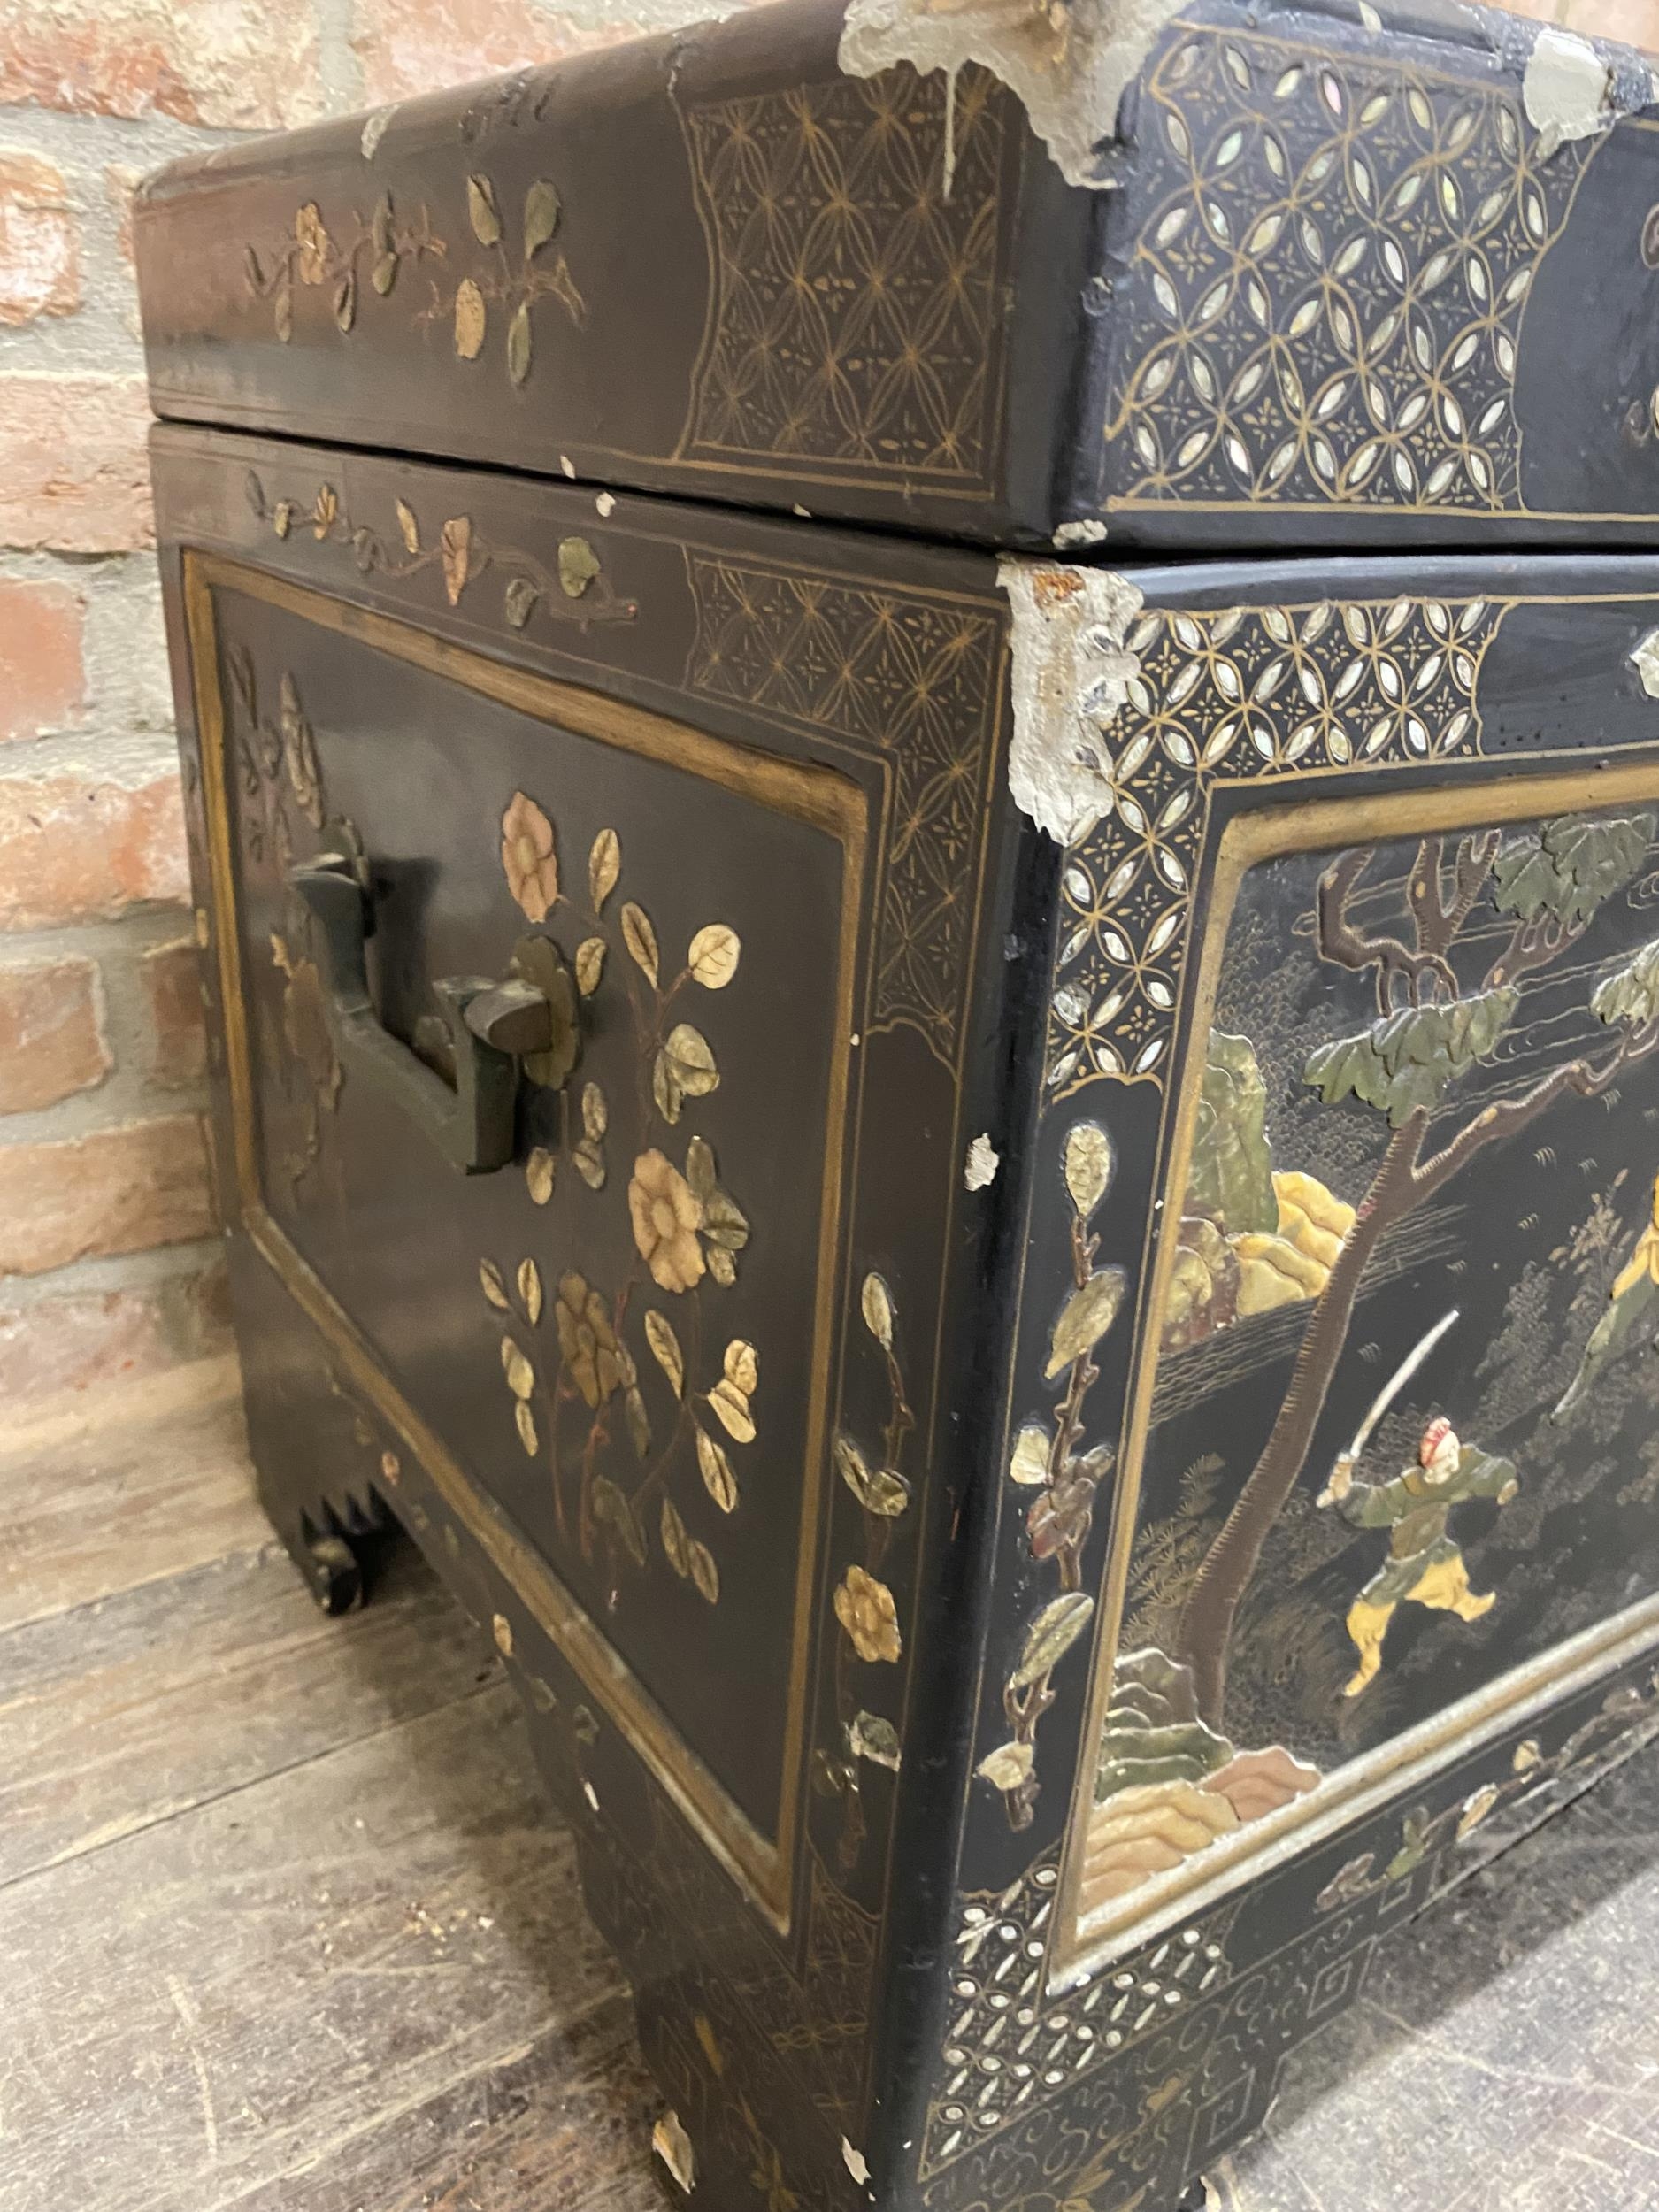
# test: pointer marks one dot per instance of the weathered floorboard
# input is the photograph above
(201, 2008)
(127, 1711)
(562, 2126)
(102, 1506)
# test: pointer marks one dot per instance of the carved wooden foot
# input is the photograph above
(333, 1573)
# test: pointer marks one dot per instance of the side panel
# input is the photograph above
(668, 1396)
(1328, 1554)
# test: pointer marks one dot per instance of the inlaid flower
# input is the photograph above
(528, 856)
(313, 239)
(588, 1342)
(666, 1215)
(865, 1610)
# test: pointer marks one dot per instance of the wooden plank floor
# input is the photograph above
(287, 1924)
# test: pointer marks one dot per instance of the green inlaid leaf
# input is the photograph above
(1407, 1059)
(665, 1349)
(1050, 1636)
(579, 565)
(870, 1737)
(716, 1469)
(540, 216)
(1631, 994)
(519, 342)
(878, 1489)
(612, 1509)
(1570, 868)
(482, 211)
(675, 1549)
(1084, 1317)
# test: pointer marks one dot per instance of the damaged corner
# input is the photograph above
(1072, 664)
(1069, 65)
(1571, 89)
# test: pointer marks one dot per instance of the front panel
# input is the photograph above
(662, 1369)
(588, 1325)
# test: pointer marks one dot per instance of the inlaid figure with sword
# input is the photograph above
(1425, 1564)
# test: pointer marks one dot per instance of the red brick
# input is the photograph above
(170, 976)
(40, 263)
(409, 46)
(1635, 22)
(51, 1043)
(243, 65)
(72, 472)
(42, 681)
(75, 848)
(81, 1339)
(118, 1190)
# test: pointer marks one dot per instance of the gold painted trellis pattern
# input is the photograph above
(906, 675)
(1325, 297)
(1224, 698)
(855, 298)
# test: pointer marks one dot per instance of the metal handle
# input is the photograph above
(490, 1026)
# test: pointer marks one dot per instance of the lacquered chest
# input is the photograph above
(993, 1200)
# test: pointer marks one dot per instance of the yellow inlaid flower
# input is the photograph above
(865, 1610)
(588, 1341)
(666, 1214)
(528, 856)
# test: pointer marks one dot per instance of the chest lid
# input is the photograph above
(1099, 273)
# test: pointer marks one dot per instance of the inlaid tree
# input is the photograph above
(1431, 1029)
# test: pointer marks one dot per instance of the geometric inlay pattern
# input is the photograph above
(1218, 697)
(855, 304)
(912, 677)
(1325, 294)
(1007, 2046)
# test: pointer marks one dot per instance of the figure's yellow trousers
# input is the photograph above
(1442, 1588)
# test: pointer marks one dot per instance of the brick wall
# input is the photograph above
(107, 1259)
